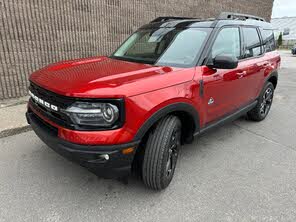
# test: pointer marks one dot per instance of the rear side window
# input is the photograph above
(227, 43)
(268, 40)
(252, 45)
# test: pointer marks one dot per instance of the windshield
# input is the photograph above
(163, 46)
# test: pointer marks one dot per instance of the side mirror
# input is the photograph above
(224, 62)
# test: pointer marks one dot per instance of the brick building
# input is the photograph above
(34, 33)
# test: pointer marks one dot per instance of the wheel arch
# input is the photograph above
(186, 112)
(273, 78)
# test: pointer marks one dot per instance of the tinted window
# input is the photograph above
(227, 42)
(268, 40)
(163, 46)
(252, 42)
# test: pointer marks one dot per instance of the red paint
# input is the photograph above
(103, 77)
(146, 89)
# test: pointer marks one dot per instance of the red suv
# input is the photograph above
(173, 79)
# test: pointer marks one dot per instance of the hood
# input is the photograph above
(99, 77)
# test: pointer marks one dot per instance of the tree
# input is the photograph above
(280, 40)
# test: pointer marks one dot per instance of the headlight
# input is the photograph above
(93, 114)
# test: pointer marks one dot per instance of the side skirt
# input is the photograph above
(227, 119)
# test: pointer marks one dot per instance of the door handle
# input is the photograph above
(263, 64)
(241, 74)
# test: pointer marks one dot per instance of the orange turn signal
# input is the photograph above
(127, 150)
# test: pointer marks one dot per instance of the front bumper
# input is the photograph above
(106, 161)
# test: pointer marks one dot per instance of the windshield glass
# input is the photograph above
(163, 46)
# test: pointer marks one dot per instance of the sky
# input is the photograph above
(283, 8)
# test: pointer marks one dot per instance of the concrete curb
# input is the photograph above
(13, 102)
(12, 117)
(15, 131)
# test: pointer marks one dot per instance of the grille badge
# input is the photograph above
(43, 102)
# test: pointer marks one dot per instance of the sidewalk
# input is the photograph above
(12, 117)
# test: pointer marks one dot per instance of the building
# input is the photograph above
(286, 26)
(38, 32)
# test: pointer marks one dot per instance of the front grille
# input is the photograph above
(53, 98)
(61, 102)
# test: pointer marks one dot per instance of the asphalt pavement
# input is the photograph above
(243, 171)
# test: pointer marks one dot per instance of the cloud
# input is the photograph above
(283, 8)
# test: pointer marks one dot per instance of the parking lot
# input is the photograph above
(244, 171)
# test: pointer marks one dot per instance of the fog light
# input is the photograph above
(104, 156)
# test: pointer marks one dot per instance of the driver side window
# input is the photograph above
(227, 43)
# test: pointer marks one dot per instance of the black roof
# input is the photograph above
(225, 18)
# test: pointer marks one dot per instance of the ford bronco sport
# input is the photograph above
(173, 79)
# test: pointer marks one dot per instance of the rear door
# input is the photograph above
(252, 65)
(222, 87)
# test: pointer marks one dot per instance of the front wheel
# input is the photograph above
(261, 110)
(161, 153)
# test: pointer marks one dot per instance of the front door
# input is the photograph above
(222, 86)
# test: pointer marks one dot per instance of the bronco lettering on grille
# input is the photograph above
(43, 102)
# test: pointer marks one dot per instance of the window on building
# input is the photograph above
(252, 42)
(227, 42)
(286, 31)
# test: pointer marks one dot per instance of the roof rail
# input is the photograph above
(238, 16)
(166, 18)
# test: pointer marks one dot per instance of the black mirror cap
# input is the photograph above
(224, 62)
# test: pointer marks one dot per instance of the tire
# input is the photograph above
(261, 110)
(161, 153)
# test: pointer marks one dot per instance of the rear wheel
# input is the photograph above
(161, 153)
(261, 110)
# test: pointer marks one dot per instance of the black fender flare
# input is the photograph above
(271, 75)
(175, 107)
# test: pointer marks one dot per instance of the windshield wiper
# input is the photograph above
(133, 59)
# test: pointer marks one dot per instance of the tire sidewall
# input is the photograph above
(267, 85)
(154, 166)
(164, 178)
